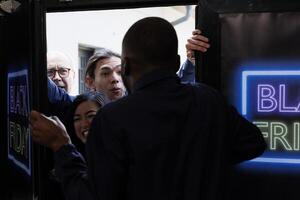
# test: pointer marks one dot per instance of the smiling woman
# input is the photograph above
(81, 114)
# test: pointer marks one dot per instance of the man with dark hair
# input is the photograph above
(103, 73)
(165, 140)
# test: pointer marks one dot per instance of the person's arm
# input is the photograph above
(186, 73)
(247, 141)
(58, 95)
(71, 169)
(199, 43)
(107, 171)
(70, 166)
(107, 158)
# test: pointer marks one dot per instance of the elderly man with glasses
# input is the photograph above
(61, 75)
(60, 70)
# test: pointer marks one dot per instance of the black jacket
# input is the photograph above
(165, 141)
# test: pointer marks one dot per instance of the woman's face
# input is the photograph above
(83, 116)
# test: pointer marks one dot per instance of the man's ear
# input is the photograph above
(89, 83)
(125, 67)
(177, 63)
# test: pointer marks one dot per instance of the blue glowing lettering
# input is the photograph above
(267, 102)
(265, 98)
(18, 100)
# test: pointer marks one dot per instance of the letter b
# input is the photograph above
(265, 98)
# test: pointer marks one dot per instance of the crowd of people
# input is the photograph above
(103, 74)
(147, 135)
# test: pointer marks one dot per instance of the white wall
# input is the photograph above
(65, 31)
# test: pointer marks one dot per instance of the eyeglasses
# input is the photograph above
(62, 72)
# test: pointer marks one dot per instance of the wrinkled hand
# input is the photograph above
(48, 131)
(197, 42)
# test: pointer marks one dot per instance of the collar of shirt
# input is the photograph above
(154, 76)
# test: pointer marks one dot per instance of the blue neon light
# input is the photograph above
(276, 160)
(246, 105)
(246, 74)
(23, 163)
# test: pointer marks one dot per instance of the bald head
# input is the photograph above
(59, 57)
(152, 43)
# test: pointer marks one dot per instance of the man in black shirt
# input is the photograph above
(165, 140)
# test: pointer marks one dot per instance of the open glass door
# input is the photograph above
(79, 28)
(30, 166)
(105, 29)
(26, 166)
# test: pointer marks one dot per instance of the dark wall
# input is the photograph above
(16, 32)
(264, 42)
(22, 42)
(257, 41)
(230, 6)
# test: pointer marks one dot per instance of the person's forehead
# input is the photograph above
(59, 63)
(87, 106)
(112, 63)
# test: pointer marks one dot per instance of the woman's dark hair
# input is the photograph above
(94, 96)
(99, 54)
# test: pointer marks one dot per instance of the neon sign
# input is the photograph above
(271, 100)
(277, 134)
(266, 101)
(19, 140)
